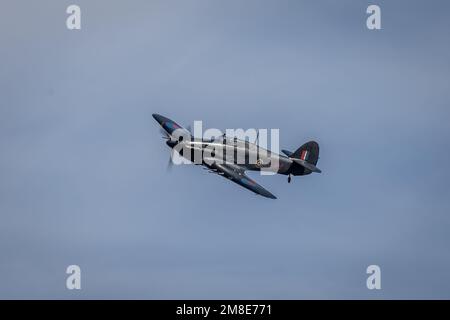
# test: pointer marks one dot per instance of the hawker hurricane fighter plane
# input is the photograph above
(231, 157)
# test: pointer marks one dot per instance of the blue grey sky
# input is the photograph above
(82, 164)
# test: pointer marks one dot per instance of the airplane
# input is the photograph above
(299, 163)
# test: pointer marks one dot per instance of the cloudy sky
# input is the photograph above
(83, 175)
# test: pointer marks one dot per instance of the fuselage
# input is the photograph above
(233, 151)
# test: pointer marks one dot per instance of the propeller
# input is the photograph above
(170, 163)
(169, 138)
(164, 133)
(166, 136)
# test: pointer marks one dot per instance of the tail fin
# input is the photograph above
(306, 156)
(308, 152)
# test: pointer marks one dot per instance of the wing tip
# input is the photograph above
(268, 195)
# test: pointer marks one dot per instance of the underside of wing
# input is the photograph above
(236, 174)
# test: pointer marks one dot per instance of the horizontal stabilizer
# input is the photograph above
(287, 152)
(307, 165)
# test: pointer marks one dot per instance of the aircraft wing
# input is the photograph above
(236, 174)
